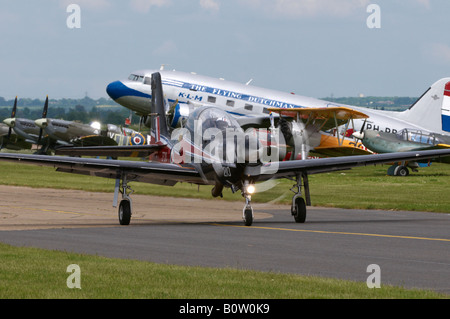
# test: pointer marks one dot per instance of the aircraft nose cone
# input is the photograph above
(116, 90)
(358, 135)
(10, 122)
(42, 123)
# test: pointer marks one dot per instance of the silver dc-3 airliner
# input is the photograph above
(429, 115)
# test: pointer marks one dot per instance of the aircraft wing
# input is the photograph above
(170, 174)
(112, 151)
(322, 165)
(147, 172)
(332, 146)
(94, 140)
(445, 160)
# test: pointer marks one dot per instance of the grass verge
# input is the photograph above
(31, 273)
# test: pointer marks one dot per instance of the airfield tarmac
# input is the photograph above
(412, 249)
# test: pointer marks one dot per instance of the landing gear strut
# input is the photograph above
(298, 208)
(125, 206)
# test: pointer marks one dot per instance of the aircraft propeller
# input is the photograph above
(10, 122)
(42, 123)
(13, 116)
(360, 135)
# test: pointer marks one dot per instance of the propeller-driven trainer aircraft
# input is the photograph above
(195, 154)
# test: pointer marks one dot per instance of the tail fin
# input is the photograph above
(432, 110)
(446, 108)
(158, 109)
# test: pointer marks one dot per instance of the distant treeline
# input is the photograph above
(85, 110)
(64, 103)
(107, 111)
(376, 102)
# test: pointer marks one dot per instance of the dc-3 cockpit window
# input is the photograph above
(211, 118)
(136, 78)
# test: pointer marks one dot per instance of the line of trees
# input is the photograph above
(84, 110)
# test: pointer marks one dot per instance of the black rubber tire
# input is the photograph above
(300, 210)
(248, 216)
(401, 171)
(124, 212)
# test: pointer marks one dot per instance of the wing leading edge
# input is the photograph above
(323, 165)
(147, 172)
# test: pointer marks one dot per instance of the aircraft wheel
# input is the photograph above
(299, 210)
(124, 212)
(248, 216)
(401, 171)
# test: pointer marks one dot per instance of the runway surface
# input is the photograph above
(412, 249)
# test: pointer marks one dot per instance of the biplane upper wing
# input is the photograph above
(324, 119)
(331, 116)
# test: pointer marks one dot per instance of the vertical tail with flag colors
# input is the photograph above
(446, 109)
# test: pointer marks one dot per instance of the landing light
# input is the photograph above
(96, 125)
(251, 189)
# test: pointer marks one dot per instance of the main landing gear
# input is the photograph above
(298, 208)
(125, 206)
(398, 170)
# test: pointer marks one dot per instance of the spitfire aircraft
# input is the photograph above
(10, 140)
(53, 133)
(404, 141)
(194, 154)
(47, 132)
(26, 129)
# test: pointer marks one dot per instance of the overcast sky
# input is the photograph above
(312, 48)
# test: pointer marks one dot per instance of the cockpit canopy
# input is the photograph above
(418, 137)
(136, 78)
(140, 78)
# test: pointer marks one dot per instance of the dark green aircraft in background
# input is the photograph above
(404, 141)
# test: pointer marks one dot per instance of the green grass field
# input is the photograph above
(36, 273)
(365, 187)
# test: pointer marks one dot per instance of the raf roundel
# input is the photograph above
(137, 139)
